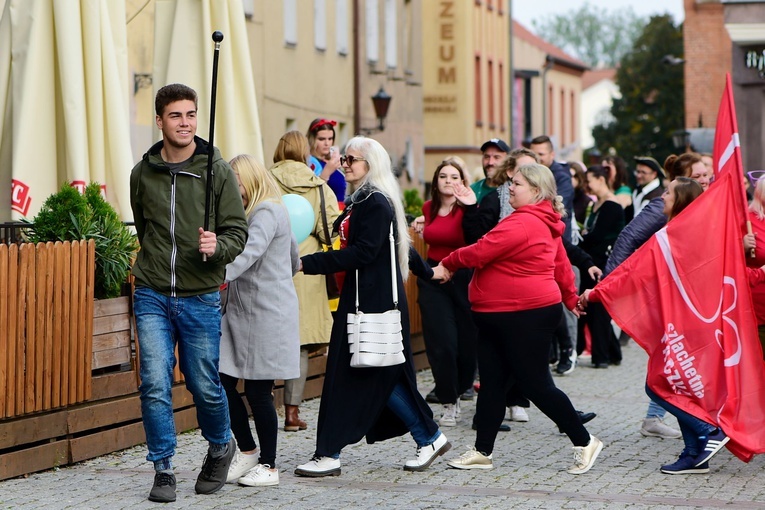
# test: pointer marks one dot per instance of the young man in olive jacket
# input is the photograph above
(177, 299)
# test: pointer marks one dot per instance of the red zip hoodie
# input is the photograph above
(520, 264)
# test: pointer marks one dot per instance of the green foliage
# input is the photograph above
(69, 216)
(598, 37)
(412, 203)
(651, 106)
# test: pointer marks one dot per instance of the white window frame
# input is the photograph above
(391, 33)
(341, 26)
(373, 31)
(320, 24)
(290, 13)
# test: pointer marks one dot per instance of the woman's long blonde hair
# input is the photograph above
(257, 182)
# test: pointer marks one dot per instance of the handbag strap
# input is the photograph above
(324, 217)
(392, 272)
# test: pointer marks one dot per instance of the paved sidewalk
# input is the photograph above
(530, 464)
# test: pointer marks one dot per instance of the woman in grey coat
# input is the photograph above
(260, 339)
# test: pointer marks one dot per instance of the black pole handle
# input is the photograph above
(217, 37)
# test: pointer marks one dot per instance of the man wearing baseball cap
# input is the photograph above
(494, 151)
(648, 175)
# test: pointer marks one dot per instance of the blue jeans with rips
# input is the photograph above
(193, 323)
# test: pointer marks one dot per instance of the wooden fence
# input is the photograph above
(68, 368)
(46, 313)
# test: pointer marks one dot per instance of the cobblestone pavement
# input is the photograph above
(530, 463)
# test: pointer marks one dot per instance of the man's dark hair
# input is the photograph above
(171, 93)
(542, 139)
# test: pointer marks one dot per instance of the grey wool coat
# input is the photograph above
(260, 336)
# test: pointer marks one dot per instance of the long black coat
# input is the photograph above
(353, 402)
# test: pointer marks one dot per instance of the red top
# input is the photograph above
(343, 233)
(443, 234)
(520, 264)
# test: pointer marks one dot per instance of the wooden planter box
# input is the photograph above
(111, 333)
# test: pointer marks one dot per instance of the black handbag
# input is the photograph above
(333, 289)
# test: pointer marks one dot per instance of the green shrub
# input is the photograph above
(412, 204)
(70, 216)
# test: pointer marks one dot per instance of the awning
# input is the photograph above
(64, 105)
(183, 53)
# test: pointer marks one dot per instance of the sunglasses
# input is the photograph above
(755, 176)
(350, 159)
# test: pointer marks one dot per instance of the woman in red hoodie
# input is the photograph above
(521, 276)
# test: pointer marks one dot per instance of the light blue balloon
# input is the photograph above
(301, 215)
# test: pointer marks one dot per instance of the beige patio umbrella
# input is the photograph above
(63, 101)
(183, 53)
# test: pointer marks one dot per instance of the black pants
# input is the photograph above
(513, 347)
(605, 346)
(259, 396)
(449, 334)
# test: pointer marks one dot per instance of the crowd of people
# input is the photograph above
(511, 264)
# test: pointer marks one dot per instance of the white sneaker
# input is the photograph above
(517, 413)
(472, 459)
(319, 466)
(427, 454)
(584, 456)
(655, 427)
(449, 416)
(261, 475)
(240, 465)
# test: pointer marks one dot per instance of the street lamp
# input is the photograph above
(381, 103)
(681, 139)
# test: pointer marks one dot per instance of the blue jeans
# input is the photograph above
(655, 410)
(194, 324)
(691, 427)
(403, 406)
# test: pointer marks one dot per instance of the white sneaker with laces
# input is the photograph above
(449, 416)
(472, 459)
(261, 475)
(517, 413)
(584, 456)
(427, 454)
(240, 465)
(319, 466)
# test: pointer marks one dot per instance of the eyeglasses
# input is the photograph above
(350, 160)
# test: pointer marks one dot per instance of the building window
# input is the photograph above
(490, 94)
(373, 33)
(320, 24)
(572, 117)
(478, 105)
(249, 8)
(501, 97)
(550, 130)
(408, 37)
(341, 26)
(490, 5)
(562, 117)
(391, 32)
(290, 22)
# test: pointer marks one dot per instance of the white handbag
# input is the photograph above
(375, 339)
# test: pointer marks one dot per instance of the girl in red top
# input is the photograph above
(521, 276)
(447, 326)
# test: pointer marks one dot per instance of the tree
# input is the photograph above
(651, 106)
(596, 37)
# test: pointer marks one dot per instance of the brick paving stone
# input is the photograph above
(530, 466)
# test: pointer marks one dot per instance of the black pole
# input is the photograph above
(217, 37)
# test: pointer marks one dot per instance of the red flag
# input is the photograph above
(726, 154)
(684, 297)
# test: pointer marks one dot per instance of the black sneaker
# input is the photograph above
(565, 367)
(163, 490)
(215, 470)
(468, 395)
(584, 417)
(431, 397)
